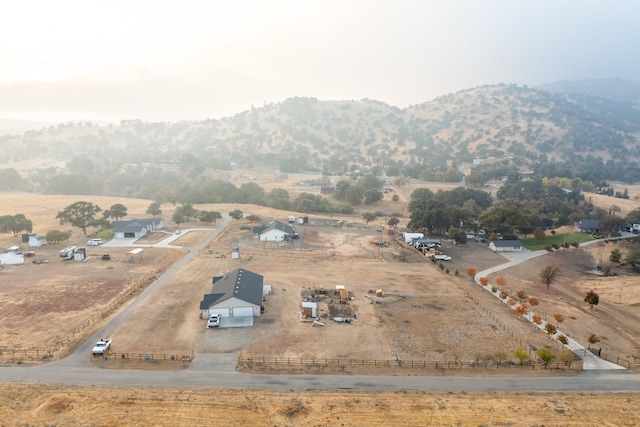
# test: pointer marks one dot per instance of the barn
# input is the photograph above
(135, 228)
(236, 294)
(277, 232)
(506, 246)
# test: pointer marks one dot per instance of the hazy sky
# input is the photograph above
(159, 60)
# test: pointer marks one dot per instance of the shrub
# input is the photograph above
(548, 248)
(575, 244)
(511, 303)
(484, 281)
(501, 281)
(550, 328)
(494, 289)
(555, 246)
(533, 301)
(522, 309)
(537, 319)
(563, 339)
(503, 294)
(456, 273)
(471, 272)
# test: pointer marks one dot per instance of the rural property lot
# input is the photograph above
(424, 313)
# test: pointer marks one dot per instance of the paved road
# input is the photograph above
(218, 370)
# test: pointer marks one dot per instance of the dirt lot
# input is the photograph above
(41, 405)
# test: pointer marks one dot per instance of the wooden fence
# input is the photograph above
(147, 356)
(415, 364)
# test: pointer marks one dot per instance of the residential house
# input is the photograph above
(236, 294)
(277, 232)
(590, 226)
(506, 245)
(135, 228)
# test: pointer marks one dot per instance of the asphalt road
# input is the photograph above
(218, 370)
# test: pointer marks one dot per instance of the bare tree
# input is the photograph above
(548, 274)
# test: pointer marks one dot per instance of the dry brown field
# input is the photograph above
(41, 405)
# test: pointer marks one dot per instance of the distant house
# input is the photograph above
(11, 256)
(236, 294)
(277, 232)
(588, 226)
(36, 240)
(506, 246)
(135, 228)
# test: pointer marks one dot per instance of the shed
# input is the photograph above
(235, 294)
(409, 237)
(506, 246)
(310, 309)
(342, 290)
(36, 240)
(80, 254)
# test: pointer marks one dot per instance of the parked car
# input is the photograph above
(442, 257)
(94, 242)
(214, 321)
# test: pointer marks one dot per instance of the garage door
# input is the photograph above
(243, 312)
(223, 312)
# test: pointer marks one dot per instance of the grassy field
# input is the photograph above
(536, 245)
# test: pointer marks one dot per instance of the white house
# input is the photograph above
(236, 294)
(12, 256)
(277, 232)
(505, 246)
(36, 240)
(135, 228)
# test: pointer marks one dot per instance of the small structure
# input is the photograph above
(277, 232)
(36, 240)
(342, 291)
(426, 243)
(12, 256)
(506, 246)
(409, 237)
(236, 294)
(133, 253)
(235, 253)
(309, 309)
(303, 220)
(135, 228)
(80, 254)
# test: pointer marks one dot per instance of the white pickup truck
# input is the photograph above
(101, 346)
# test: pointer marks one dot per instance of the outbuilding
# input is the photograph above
(36, 240)
(12, 256)
(235, 294)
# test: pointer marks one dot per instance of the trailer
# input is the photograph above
(68, 252)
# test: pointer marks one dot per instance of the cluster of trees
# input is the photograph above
(367, 188)
(187, 212)
(15, 224)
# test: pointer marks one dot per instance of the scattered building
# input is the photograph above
(277, 232)
(236, 294)
(135, 228)
(12, 256)
(506, 246)
(590, 226)
(36, 240)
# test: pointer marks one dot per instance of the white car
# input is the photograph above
(442, 257)
(94, 242)
(214, 321)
